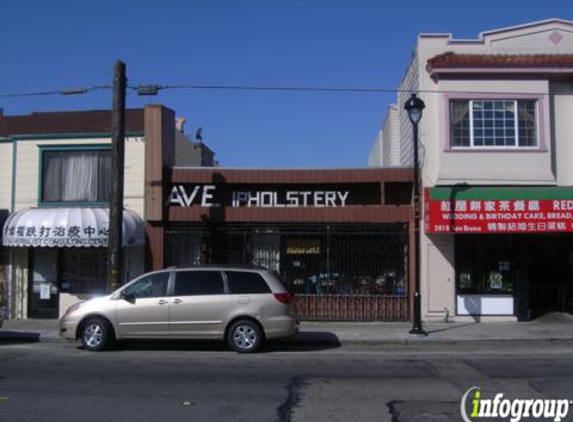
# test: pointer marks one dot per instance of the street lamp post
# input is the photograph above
(414, 106)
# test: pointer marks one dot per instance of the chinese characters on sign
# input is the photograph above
(499, 215)
(17, 235)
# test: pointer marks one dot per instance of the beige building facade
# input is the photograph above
(47, 160)
(55, 173)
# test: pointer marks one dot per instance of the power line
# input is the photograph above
(280, 88)
(65, 91)
(146, 89)
(152, 89)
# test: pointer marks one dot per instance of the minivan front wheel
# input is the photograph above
(245, 336)
(96, 334)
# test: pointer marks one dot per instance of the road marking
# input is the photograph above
(3, 398)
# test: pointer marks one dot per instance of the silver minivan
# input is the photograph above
(242, 306)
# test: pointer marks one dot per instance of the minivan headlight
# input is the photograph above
(74, 307)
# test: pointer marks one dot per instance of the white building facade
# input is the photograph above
(385, 150)
(496, 140)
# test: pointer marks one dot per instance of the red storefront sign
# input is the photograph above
(498, 210)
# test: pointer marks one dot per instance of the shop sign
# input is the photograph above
(302, 247)
(498, 210)
(71, 236)
(269, 196)
(68, 227)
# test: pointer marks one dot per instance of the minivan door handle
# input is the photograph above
(162, 302)
(177, 301)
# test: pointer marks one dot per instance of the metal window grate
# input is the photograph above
(337, 272)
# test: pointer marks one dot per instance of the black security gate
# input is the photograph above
(336, 272)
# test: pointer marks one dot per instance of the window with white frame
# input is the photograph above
(76, 175)
(493, 124)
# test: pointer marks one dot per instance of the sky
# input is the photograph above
(60, 44)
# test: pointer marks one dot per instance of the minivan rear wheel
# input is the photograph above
(96, 334)
(245, 336)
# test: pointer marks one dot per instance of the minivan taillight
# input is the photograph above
(285, 298)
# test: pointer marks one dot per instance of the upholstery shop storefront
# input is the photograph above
(513, 247)
(338, 238)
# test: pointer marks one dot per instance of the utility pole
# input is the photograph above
(115, 245)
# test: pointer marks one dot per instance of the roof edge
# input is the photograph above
(484, 34)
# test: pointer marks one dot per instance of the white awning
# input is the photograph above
(68, 227)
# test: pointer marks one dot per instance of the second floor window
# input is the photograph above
(493, 124)
(76, 176)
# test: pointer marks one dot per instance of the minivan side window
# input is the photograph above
(241, 282)
(154, 285)
(194, 283)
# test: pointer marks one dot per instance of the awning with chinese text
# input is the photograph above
(68, 227)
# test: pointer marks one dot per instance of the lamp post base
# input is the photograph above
(418, 330)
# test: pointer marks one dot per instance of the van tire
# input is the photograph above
(245, 336)
(96, 334)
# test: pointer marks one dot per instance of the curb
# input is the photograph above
(321, 339)
(19, 337)
(423, 342)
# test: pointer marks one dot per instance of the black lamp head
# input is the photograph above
(414, 107)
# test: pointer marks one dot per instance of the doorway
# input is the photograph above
(546, 264)
(43, 292)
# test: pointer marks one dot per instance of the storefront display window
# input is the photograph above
(184, 249)
(333, 260)
(483, 266)
(83, 270)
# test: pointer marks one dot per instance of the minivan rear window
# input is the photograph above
(241, 282)
(194, 283)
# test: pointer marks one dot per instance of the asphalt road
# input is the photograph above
(57, 381)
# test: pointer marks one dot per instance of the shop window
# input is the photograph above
(265, 249)
(493, 124)
(71, 176)
(311, 260)
(184, 249)
(483, 265)
(83, 270)
(346, 264)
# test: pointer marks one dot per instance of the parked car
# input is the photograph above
(242, 306)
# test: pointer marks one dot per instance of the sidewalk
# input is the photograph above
(547, 328)
(29, 330)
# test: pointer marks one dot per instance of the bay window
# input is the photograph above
(493, 123)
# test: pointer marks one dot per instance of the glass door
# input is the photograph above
(43, 294)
